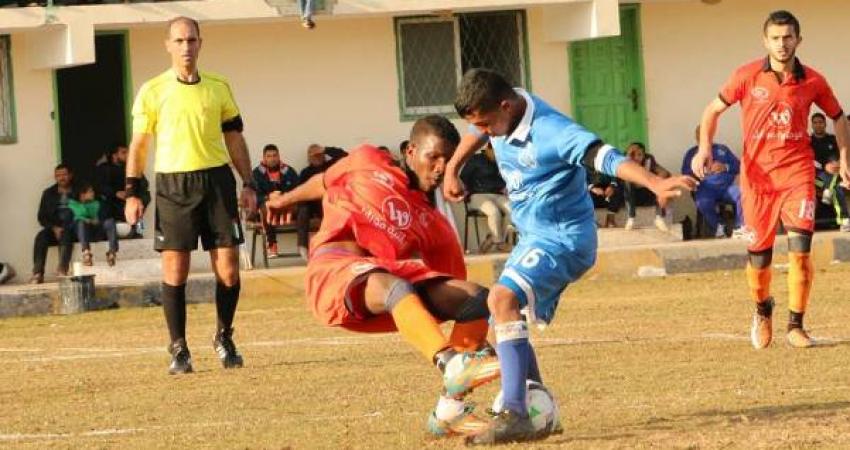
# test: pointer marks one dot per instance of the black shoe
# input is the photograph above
(226, 349)
(181, 359)
(506, 426)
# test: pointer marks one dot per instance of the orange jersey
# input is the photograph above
(774, 117)
(368, 199)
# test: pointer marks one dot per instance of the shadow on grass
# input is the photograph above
(775, 412)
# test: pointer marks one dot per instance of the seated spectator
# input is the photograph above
(485, 189)
(90, 222)
(717, 187)
(6, 272)
(826, 166)
(636, 195)
(56, 220)
(605, 191)
(319, 159)
(306, 9)
(110, 182)
(269, 176)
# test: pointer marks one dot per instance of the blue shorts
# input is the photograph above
(539, 269)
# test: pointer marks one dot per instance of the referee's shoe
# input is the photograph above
(181, 359)
(226, 349)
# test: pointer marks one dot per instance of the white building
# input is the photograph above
(371, 66)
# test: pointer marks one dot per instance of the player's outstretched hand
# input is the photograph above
(699, 163)
(133, 210)
(453, 189)
(669, 188)
(277, 201)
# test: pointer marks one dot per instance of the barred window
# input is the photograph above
(7, 104)
(434, 52)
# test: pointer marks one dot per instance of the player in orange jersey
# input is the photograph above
(361, 275)
(777, 175)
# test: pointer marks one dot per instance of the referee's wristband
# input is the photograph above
(133, 187)
(250, 184)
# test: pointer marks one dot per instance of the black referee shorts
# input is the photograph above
(198, 204)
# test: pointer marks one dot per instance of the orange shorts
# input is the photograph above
(762, 212)
(335, 288)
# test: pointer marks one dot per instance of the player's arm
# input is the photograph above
(310, 190)
(707, 129)
(469, 144)
(842, 135)
(136, 158)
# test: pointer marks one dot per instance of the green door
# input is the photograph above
(607, 83)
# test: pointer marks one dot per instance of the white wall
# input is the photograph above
(26, 168)
(691, 48)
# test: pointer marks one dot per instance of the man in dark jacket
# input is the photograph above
(272, 175)
(55, 218)
(319, 158)
(110, 179)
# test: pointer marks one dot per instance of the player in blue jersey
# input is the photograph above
(542, 155)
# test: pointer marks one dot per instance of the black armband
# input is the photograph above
(590, 155)
(133, 187)
(234, 124)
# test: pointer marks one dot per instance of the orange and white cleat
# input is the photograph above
(466, 371)
(464, 424)
(798, 338)
(761, 333)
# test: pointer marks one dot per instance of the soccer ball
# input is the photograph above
(542, 407)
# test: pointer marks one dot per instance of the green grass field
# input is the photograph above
(653, 363)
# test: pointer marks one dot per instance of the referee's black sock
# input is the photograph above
(226, 299)
(174, 305)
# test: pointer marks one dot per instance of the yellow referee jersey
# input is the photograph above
(186, 120)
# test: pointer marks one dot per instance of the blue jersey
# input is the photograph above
(541, 162)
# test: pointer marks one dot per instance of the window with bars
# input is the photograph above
(434, 52)
(7, 106)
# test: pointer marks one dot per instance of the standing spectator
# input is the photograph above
(717, 187)
(55, 218)
(89, 221)
(826, 169)
(272, 175)
(110, 176)
(319, 158)
(485, 189)
(606, 192)
(199, 134)
(636, 195)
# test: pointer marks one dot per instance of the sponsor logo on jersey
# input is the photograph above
(760, 94)
(397, 211)
(382, 178)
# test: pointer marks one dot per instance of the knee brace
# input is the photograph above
(800, 241)
(474, 308)
(762, 259)
(397, 291)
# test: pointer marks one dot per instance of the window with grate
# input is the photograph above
(7, 106)
(434, 52)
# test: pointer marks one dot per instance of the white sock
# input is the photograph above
(448, 408)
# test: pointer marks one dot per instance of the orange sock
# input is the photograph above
(759, 282)
(801, 273)
(468, 336)
(418, 327)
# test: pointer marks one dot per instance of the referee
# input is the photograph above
(190, 111)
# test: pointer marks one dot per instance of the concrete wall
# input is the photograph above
(690, 49)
